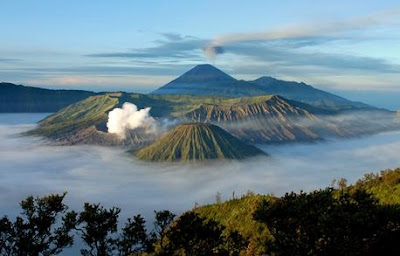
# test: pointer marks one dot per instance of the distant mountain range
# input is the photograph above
(202, 80)
(209, 80)
(19, 98)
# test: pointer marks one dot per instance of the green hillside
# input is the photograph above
(89, 112)
(385, 186)
(85, 122)
(194, 142)
(237, 214)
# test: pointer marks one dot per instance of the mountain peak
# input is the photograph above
(266, 79)
(204, 73)
(201, 78)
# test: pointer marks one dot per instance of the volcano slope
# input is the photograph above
(267, 118)
(260, 119)
(196, 142)
(85, 122)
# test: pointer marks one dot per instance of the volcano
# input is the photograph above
(208, 80)
(196, 142)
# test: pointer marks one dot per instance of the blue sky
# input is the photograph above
(140, 45)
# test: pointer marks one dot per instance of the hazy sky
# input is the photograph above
(140, 45)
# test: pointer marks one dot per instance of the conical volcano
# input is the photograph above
(204, 73)
(207, 80)
(197, 141)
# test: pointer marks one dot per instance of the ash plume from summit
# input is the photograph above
(298, 32)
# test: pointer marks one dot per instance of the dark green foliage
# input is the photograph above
(235, 244)
(134, 237)
(162, 221)
(384, 186)
(40, 230)
(326, 222)
(7, 237)
(195, 141)
(193, 235)
(98, 229)
(45, 228)
(237, 216)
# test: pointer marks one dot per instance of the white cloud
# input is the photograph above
(302, 31)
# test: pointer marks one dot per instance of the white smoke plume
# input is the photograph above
(128, 118)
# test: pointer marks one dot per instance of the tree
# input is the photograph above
(98, 229)
(194, 235)
(134, 238)
(43, 228)
(163, 220)
(6, 236)
(235, 243)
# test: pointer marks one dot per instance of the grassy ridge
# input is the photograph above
(75, 117)
(237, 215)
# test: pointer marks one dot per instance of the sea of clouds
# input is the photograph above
(110, 176)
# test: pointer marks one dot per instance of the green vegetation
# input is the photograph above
(194, 141)
(347, 220)
(89, 112)
(326, 223)
(237, 215)
(384, 186)
(37, 232)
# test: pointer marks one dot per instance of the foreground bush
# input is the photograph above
(329, 222)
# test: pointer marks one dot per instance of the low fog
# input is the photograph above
(30, 166)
